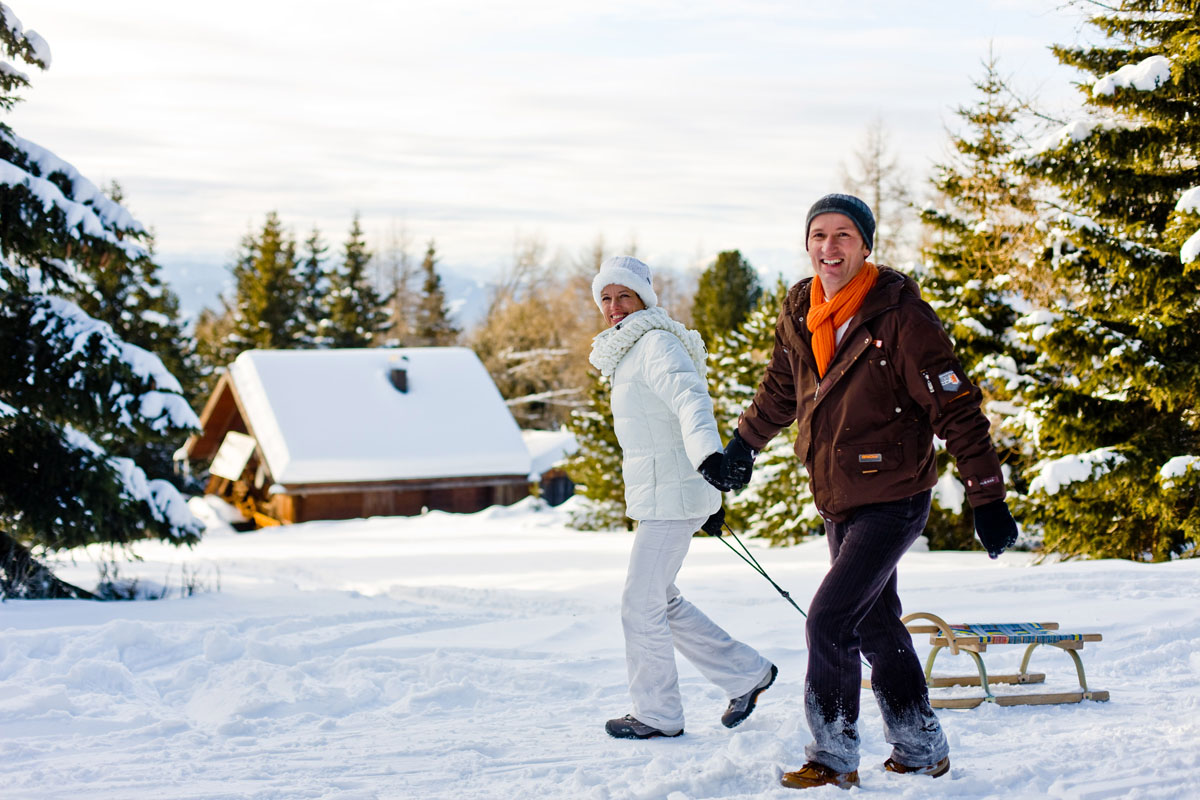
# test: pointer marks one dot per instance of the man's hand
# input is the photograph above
(739, 462)
(995, 527)
(712, 469)
(712, 525)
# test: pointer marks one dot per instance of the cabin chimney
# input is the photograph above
(398, 374)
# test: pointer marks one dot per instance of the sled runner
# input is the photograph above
(973, 639)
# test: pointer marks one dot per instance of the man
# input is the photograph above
(863, 367)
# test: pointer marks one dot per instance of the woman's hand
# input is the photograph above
(712, 525)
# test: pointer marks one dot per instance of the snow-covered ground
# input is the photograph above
(451, 656)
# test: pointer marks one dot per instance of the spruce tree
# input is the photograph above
(728, 291)
(313, 307)
(268, 292)
(70, 387)
(358, 316)
(130, 295)
(980, 232)
(777, 505)
(432, 327)
(595, 468)
(1113, 411)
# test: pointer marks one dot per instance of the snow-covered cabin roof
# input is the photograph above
(334, 416)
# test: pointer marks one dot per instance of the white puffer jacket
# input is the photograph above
(662, 415)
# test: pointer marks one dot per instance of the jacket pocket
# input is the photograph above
(868, 459)
(883, 381)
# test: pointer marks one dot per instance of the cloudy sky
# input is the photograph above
(690, 126)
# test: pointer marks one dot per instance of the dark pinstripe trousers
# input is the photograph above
(857, 610)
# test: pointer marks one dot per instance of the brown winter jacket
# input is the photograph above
(865, 431)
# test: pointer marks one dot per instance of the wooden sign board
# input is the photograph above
(231, 458)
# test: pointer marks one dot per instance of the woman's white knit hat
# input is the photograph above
(625, 271)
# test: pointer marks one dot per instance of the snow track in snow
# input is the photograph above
(478, 657)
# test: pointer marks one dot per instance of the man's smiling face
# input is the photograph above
(836, 249)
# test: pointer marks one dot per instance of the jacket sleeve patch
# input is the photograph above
(990, 480)
(950, 381)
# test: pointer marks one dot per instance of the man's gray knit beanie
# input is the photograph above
(858, 212)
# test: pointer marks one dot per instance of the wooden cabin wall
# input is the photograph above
(354, 504)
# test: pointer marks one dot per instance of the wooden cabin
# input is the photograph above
(299, 435)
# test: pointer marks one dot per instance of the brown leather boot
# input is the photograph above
(813, 774)
(933, 770)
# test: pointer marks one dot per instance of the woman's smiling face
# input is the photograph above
(617, 302)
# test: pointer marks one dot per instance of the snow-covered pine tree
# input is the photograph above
(980, 232)
(1114, 409)
(727, 292)
(432, 327)
(595, 468)
(69, 385)
(267, 285)
(130, 295)
(777, 505)
(358, 316)
(314, 292)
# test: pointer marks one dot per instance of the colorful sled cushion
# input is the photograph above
(1014, 633)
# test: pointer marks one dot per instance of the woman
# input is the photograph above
(664, 422)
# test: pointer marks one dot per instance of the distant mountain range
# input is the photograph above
(200, 284)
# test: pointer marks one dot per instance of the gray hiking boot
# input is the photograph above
(740, 707)
(630, 727)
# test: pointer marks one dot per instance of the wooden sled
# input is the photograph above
(973, 639)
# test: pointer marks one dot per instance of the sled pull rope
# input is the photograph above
(745, 555)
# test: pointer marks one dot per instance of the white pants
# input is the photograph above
(657, 621)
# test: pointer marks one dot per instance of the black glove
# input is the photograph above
(712, 469)
(712, 525)
(996, 527)
(739, 462)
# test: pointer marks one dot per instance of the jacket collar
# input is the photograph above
(884, 294)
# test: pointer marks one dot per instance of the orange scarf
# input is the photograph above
(826, 316)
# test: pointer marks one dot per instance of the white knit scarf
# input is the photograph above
(611, 345)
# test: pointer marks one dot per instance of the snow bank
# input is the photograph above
(447, 656)
(1145, 76)
(1053, 475)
